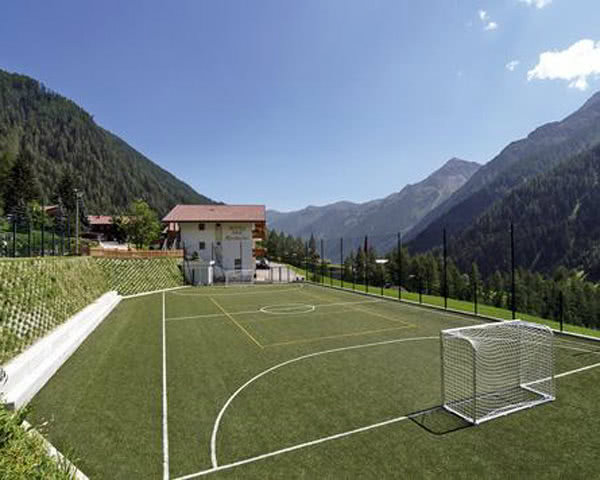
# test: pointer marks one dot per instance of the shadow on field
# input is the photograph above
(438, 421)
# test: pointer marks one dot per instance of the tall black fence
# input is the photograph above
(383, 265)
(28, 236)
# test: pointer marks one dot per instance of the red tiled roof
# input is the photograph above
(100, 220)
(216, 213)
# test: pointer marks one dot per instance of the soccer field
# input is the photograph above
(298, 381)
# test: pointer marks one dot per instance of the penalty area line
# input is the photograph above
(293, 448)
(164, 396)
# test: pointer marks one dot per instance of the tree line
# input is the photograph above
(564, 292)
(21, 201)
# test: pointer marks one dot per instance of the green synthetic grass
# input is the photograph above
(105, 403)
(460, 305)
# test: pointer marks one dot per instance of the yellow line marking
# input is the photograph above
(329, 337)
(238, 325)
(390, 319)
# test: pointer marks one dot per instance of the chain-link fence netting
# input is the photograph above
(503, 286)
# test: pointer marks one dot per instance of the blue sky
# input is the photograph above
(292, 103)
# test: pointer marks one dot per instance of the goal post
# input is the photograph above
(495, 369)
(239, 277)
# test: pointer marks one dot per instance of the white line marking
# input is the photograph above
(213, 439)
(332, 437)
(582, 369)
(250, 312)
(578, 349)
(288, 309)
(280, 289)
(152, 292)
(164, 402)
(295, 447)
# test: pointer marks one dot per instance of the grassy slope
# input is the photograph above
(106, 400)
(23, 455)
(137, 275)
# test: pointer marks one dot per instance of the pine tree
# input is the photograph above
(21, 186)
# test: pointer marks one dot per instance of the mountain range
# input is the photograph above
(62, 136)
(547, 185)
(381, 219)
(542, 150)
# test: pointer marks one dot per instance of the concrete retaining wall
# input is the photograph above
(29, 371)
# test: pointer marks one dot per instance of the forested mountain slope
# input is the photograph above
(60, 135)
(557, 223)
(540, 152)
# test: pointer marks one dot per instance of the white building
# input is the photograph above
(224, 234)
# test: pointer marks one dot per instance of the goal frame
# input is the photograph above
(243, 273)
(462, 334)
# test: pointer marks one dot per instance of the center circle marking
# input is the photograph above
(288, 309)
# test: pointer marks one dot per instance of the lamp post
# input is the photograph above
(78, 195)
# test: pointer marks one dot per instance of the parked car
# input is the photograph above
(262, 264)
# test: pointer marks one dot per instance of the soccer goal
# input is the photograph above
(239, 277)
(495, 369)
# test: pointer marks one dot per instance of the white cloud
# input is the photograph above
(537, 3)
(488, 23)
(575, 64)
(512, 65)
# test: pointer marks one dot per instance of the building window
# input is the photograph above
(238, 263)
(201, 226)
(202, 245)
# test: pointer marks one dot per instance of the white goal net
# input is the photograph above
(495, 369)
(239, 277)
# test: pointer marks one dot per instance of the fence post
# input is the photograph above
(43, 228)
(475, 297)
(445, 272)
(306, 261)
(366, 264)
(353, 278)
(322, 263)
(68, 235)
(342, 260)
(29, 238)
(14, 235)
(561, 302)
(512, 266)
(399, 266)
(420, 290)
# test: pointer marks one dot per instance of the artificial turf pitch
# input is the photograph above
(329, 412)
